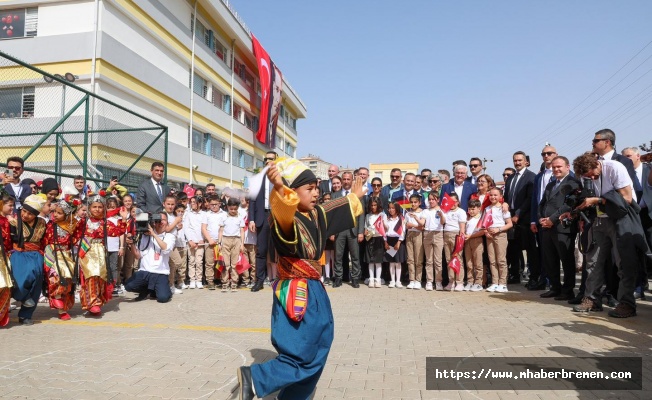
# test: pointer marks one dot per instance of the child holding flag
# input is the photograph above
(455, 225)
(414, 242)
(231, 244)
(433, 221)
(473, 247)
(497, 242)
(302, 319)
(394, 247)
(374, 232)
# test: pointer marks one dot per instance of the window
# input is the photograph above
(207, 37)
(200, 86)
(205, 143)
(242, 159)
(18, 23)
(17, 102)
(289, 150)
(260, 164)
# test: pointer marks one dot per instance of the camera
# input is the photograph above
(144, 220)
(577, 197)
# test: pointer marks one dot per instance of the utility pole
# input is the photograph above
(484, 164)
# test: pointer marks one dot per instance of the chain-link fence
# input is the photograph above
(62, 130)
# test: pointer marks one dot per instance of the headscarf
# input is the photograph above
(294, 173)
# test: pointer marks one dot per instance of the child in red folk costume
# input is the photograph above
(61, 235)
(5, 268)
(96, 284)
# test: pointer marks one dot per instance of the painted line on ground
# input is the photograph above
(130, 325)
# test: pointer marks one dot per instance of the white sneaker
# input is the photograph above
(459, 287)
(417, 285)
(392, 284)
(502, 289)
(175, 290)
(399, 284)
(439, 286)
(467, 287)
(370, 282)
(12, 307)
(429, 286)
(377, 284)
(410, 285)
(492, 288)
(476, 288)
(193, 285)
(199, 285)
(448, 287)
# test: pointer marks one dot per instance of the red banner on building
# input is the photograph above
(271, 86)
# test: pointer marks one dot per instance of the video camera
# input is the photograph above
(577, 197)
(144, 220)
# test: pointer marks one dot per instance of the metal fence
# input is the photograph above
(63, 130)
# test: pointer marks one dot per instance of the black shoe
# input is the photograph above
(512, 280)
(141, 297)
(337, 282)
(258, 286)
(565, 296)
(25, 321)
(577, 299)
(29, 303)
(611, 301)
(355, 283)
(549, 293)
(246, 391)
(327, 281)
(538, 285)
(623, 310)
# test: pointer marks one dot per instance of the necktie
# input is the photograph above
(511, 189)
(600, 158)
(160, 192)
(346, 193)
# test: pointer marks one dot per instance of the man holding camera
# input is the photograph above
(558, 234)
(153, 250)
(616, 233)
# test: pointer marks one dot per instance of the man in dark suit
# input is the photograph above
(259, 223)
(558, 237)
(151, 192)
(349, 238)
(326, 186)
(461, 186)
(475, 164)
(395, 185)
(518, 195)
(403, 196)
(16, 188)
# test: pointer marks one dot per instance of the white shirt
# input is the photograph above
(498, 216)
(213, 221)
(267, 194)
(459, 189)
(250, 237)
(545, 179)
(113, 242)
(410, 220)
(231, 224)
(152, 258)
(433, 222)
(370, 220)
(453, 220)
(390, 224)
(156, 187)
(192, 221)
(171, 219)
(607, 156)
(639, 176)
(472, 225)
(614, 176)
(18, 190)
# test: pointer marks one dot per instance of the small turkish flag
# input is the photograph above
(189, 190)
(487, 219)
(379, 226)
(447, 203)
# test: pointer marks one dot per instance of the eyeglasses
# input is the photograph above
(395, 176)
(547, 153)
(475, 165)
(596, 141)
(14, 168)
(507, 175)
(269, 159)
(215, 205)
(376, 185)
(435, 181)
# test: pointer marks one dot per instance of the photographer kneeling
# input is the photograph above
(153, 250)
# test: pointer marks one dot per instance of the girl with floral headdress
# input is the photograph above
(63, 233)
(5, 268)
(96, 282)
(27, 234)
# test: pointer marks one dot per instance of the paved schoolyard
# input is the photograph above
(190, 347)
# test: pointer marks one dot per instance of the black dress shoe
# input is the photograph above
(611, 301)
(549, 293)
(246, 391)
(577, 299)
(565, 296)
(537, 286)
(257, 286)
(141, 297)
(355, 283)
(337, 282)
(512, 280)
(25, 321)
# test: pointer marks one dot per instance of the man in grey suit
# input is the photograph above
(351, 238)
(152, 192)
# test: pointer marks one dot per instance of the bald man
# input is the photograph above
(325, 186)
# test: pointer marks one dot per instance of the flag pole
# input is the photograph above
(232, 110)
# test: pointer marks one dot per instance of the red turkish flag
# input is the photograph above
(379, 226)
(487, 219)
(456, 258)
(271, 86)
(446, 202)
(189, 190)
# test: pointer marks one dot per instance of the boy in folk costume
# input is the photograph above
(28, 234)
(302, 320)
(96, 284)
(5, 268)
(63, 232)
